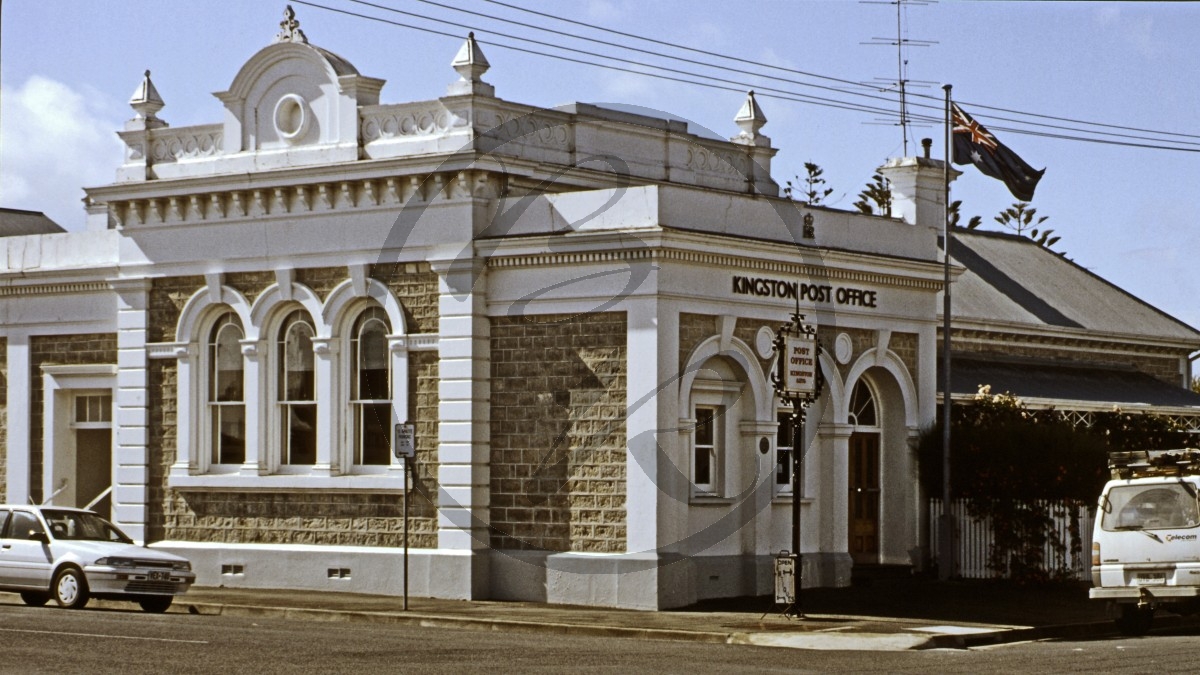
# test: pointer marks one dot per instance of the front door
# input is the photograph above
(864, 498)
(93, 453)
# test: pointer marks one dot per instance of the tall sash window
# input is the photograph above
(297, 390)
(370, 396)
(226, 402)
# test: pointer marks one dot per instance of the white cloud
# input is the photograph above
(1137, 31)
(602, 10)
(53, 142)
(627, 86)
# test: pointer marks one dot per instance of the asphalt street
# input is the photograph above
(109, 640)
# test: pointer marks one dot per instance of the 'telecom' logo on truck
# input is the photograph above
(1181, 537)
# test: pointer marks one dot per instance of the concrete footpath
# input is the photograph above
(895, 614)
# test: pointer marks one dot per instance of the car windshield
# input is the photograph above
(1151, 507)
(82, 525)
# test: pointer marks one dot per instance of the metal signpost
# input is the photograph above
(405, 447)
(798, 382)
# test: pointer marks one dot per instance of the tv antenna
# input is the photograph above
(901, 84)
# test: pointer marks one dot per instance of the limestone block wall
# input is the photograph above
(694, 329)
(746, 330)
(45, 350)
(167, 298)
(160, 442)
(905, 346)
(557, 432)
(279, 517)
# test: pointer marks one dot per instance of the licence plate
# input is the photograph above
(159, 576)
(1150, 578)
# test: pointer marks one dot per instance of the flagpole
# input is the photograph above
(946, 525)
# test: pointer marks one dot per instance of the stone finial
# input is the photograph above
(470, 64)
(750, 119)
(145, 100)
(289, 28)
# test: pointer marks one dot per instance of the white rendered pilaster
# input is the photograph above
(131, 431)
(254, 375)
(464, 371)
(325, 351)
(652, 511)
(17, 488)
(833, 484)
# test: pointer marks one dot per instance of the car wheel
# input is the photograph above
(35, 598)
(1134, 620)
(157, 604)
(70, 588)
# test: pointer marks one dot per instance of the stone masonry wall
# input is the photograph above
(905, 347)
(693, 329)
(558, 432)
(313, 517)
(167, 298)
(45, 350)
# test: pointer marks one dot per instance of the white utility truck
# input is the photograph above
(1146, 541)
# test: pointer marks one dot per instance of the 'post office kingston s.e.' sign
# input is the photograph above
(799, 365)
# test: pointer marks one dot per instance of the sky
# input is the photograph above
(68, 68)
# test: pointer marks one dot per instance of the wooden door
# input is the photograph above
(864, 498)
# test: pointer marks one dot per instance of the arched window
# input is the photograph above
(296, 394)
(370, 388)
(862, 406)
(226, 402)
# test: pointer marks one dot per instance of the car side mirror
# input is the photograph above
(35, 535)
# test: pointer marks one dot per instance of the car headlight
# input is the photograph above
(182, 565)
(115, 562)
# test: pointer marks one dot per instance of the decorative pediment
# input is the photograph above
(293, 95)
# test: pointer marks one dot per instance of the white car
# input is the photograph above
(72, 555)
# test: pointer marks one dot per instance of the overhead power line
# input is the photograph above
(757, 64)
(702, 79)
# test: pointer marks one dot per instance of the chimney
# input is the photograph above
(918, 196)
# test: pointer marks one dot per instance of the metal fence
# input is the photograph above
(975, 539)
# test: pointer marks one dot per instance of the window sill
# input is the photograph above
(391, 482)
(710, 500)
(786, 498)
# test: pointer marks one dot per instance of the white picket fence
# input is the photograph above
(975, 539)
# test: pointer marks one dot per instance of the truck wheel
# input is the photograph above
(1134, 620)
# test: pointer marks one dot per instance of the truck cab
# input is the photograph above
(1146, 541)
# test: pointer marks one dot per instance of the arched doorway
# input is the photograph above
(864, 474)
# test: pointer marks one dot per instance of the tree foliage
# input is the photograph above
(814, 193)
(875, 197)
(1015, 466)
(955, 216)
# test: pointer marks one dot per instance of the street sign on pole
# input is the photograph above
(405, 446)
(798, 382)
(798, 365)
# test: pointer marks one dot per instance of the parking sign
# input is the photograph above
(406, 441)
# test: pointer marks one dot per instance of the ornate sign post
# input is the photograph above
(798, 382)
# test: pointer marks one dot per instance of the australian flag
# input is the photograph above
(973, 144)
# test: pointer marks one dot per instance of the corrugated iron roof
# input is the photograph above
(1065, 382)
(1012, 279)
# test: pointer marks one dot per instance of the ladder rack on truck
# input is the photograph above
(1126, 464)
